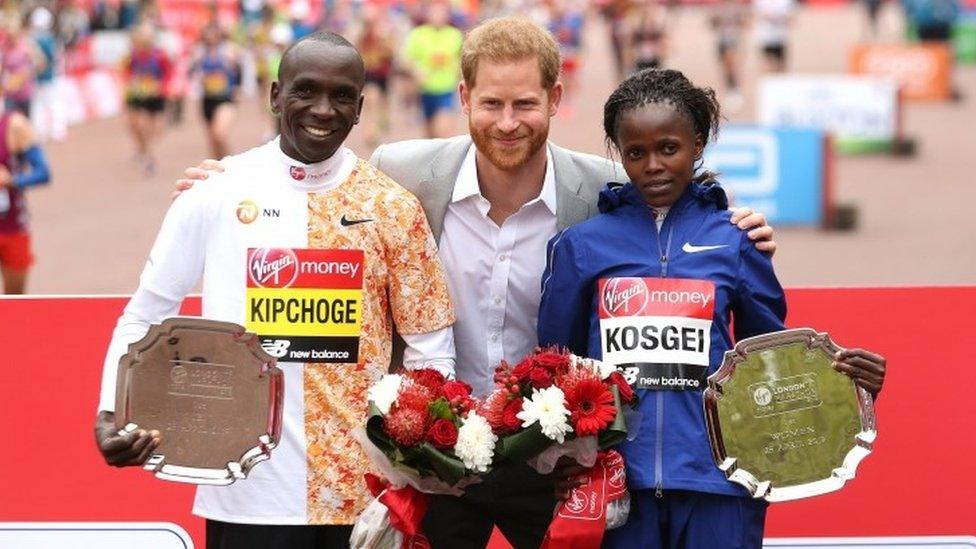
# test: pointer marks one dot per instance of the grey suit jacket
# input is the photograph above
(429, 168)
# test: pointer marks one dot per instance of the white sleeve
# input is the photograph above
(433, 350)
(174, 267)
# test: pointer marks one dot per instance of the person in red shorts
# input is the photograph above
(22, 165)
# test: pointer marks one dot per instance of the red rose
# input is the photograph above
(626, 391)
(540, 378)
(456, 389)
(522, 370)
(428, 378)
(510, 420)
(443, 434)
(555, 363)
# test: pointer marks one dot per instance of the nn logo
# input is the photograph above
(269, 212)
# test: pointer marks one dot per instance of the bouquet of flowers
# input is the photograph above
(425, 436)
(554, 404)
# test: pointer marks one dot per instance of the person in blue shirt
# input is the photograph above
(48, 111)
(652, 285)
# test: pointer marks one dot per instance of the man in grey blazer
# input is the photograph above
(493, 199)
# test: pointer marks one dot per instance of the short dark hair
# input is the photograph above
(648, 86)
(326, 37)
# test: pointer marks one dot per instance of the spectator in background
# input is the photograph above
(22, 60)
(377, 44)
(772, 30)
(932, 19)
(217, 64)
(433, 52)
(648, 40)
(872, 8)
(22, 165)
(146, 72)
(566, 25)
(729, 18)
(48, 111)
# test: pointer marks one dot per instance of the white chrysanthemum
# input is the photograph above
(548, 407)
(385, 391)
(475, 444)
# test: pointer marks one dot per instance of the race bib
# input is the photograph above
(306, 305)
(216, 83)
(657, 330)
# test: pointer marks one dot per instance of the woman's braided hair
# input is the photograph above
(648, 86)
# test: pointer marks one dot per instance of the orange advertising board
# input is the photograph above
(922, 70)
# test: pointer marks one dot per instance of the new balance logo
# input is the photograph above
(276, 347)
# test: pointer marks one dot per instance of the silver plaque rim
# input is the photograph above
(863, 440)
(266, 442)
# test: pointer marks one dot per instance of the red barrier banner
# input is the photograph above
(918, 481)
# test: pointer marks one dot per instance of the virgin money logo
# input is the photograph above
(576, 502)
(625, 296)
(297, 173)
(272, 267)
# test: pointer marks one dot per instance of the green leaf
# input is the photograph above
(616, 432)
(447, 467)
(441, 409)
(524, 445)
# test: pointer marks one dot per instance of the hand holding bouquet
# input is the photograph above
(554, 404)
(424, 435)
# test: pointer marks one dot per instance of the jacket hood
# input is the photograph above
(616, 195)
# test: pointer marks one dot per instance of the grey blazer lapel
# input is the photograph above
(438, 188)
(570, 208)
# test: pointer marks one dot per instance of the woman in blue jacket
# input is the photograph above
(652, 285)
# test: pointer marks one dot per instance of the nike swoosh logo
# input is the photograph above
(350, 222)
(690, 249)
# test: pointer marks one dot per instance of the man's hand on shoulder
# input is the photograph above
(198, 173)
(123, 450)
(758, 231)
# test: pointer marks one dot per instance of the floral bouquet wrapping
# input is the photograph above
(554, 404)
(425, 436)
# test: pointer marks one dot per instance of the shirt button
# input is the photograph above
(502, 257)
(498, 300)
(494, 337)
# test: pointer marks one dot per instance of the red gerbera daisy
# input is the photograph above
(591, 405)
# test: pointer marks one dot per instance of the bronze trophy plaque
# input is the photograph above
(210, 390)
(782, 422)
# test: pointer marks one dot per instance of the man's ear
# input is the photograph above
(699, 147)
(464, 92)
(273, 98)
(555, 97)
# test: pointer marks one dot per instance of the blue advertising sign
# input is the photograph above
(778, 171)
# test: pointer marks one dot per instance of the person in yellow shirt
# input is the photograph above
(433, 52)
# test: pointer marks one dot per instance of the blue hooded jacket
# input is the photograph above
(696, 241)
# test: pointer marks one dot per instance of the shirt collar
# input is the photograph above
(319, 175)
(466, 185)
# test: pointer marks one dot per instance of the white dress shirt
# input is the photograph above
(494, 274)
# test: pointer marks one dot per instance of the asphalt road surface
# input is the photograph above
(95, 223)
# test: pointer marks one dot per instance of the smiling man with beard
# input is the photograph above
(493, 207)
(297, 226)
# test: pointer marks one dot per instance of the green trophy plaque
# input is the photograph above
(782, 422)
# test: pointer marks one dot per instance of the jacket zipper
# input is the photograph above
(659, 443)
